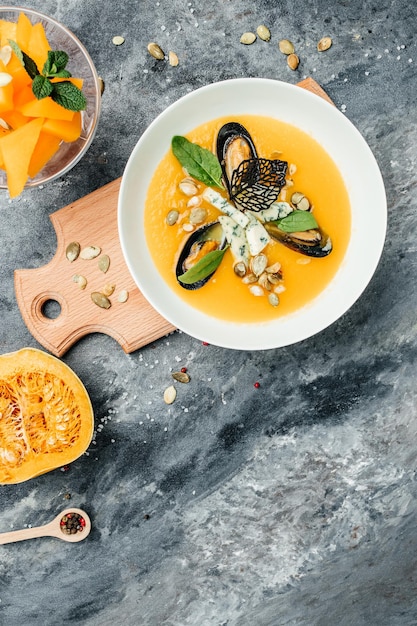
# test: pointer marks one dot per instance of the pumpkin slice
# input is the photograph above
(45, 149)
(7, 31)
(47, 419)
(68, 131)
(46, 108)
(23, 32)
(17, 148)
(38, 45)
(6, 97)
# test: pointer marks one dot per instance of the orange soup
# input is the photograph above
(311, 171)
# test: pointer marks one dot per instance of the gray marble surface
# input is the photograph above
(291, 504)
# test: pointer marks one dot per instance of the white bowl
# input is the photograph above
(337, 136)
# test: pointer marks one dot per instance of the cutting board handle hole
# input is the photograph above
(51, 309)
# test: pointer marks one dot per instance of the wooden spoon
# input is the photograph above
(53, 529)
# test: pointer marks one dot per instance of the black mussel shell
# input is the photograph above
(252, 183)
(313, 243)
(211, 232)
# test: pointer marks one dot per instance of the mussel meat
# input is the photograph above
(252, 182)
(205, 239)
(313, 242)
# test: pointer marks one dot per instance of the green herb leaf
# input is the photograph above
(41, 87)
(297, 221)
(16, 50)
(69, 96)
(204, 267)
(63, 74)
(55, 63)
(199, 162)
(28, 63)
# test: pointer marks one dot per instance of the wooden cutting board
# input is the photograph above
(92, 220)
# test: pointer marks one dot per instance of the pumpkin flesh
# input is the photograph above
(46, 416)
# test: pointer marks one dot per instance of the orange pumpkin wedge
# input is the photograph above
(45, 148)
(67, 131)
(16, 149)
(23, 32)
(47, 416)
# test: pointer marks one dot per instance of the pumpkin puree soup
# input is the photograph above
(310, 171)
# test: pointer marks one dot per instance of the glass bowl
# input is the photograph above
(81, 66)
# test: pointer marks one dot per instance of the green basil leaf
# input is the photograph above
(69, 96)
(297, 221)
(41, 87)
(204, 267)
(199, 162)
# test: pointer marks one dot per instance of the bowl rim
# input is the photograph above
(96, 79)
(287, 329)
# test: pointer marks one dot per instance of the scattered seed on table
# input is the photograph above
(263, 32)
(181, 377)
(293, 61)
(155, 51)
(118, 40)
(170, 394)
(173, 59)
(324, 44)
(247, 38)
(286, 46)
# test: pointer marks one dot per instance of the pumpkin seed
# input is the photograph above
(155, 51)
(90, 252)
(102, 85)
(123, 296)
(194, 201)
(118, 40)
(4, 124)
(100, 300)
(239, 269)
(108, 289)
(273, 299)
(258, 264)
(170, 394)
(324, 44)
(256, 290)
(5, 54)
(293, 61)
(104, 263)
(181, 377)
(80, 280)
(72, 251)
(247, 38)
(5, 79)
(188, 186)
(263, 33)
(198, 215)
(172, 217)
(286, 46)
(173, 58)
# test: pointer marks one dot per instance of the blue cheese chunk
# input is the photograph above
(217, 200)
(276, 211)
(236, 238)
(256, 235)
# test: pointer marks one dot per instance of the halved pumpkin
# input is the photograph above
(46, 416)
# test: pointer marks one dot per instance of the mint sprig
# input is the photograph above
(64, 93)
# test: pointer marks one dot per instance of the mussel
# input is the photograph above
(313, 243)
(251, 182)
(205, 239)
